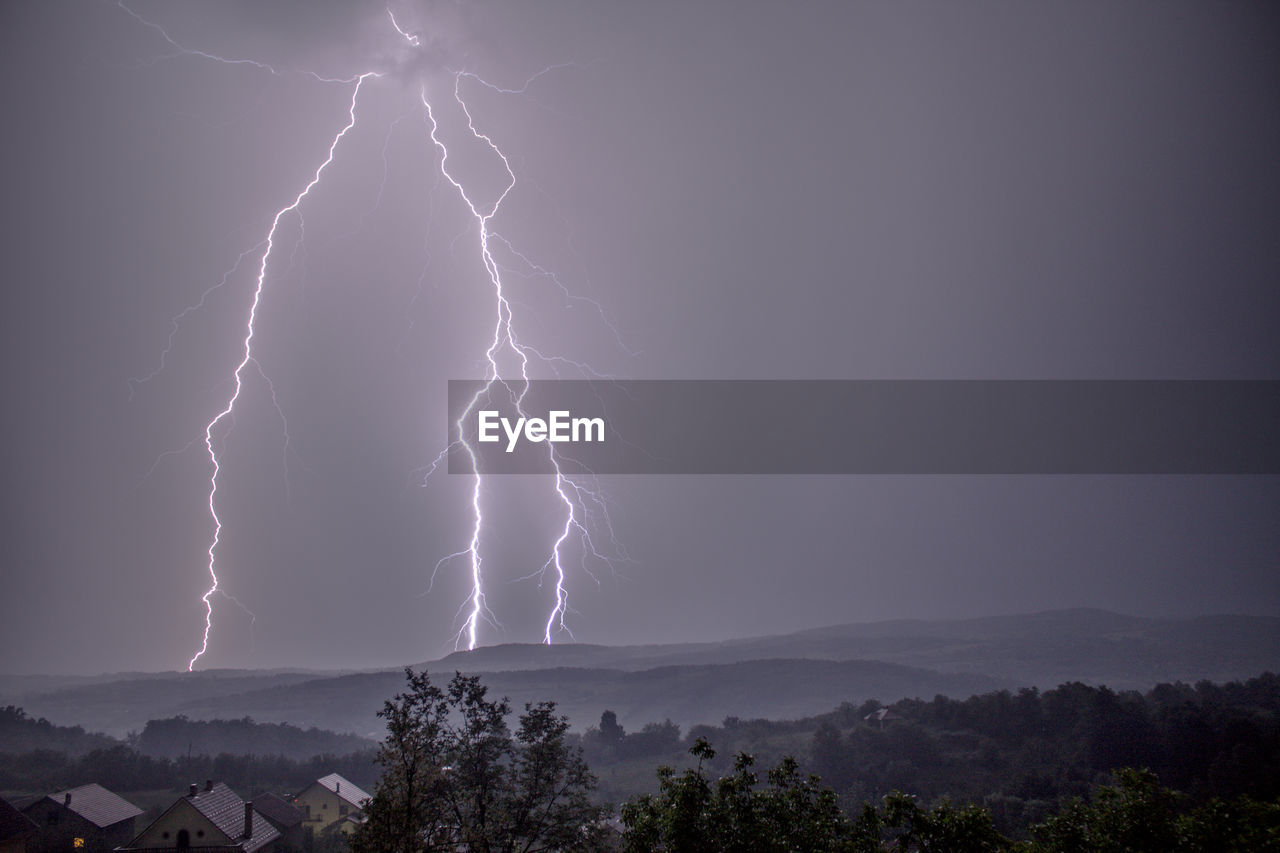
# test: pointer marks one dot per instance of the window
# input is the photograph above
(184, 840)
(342, 810)
(78, 842)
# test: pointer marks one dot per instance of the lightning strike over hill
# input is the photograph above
(505, 339)
(583, 507)
(248, 357)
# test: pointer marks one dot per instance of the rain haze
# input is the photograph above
(711, 190)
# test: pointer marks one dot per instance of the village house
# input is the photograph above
(212, 820)
(89, 818)
(327, 803)
(285, 817)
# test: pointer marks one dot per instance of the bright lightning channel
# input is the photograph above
(411, 39)
(244, 362)
(229, 409)
(504, 337)
(576, 498)
(570, 494)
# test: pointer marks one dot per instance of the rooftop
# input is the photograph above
(345, 790)
(278, 810)
(96, 804)
(225, 810)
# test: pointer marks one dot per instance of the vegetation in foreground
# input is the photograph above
(456, 778)
(735, 814)
(1021, 755)
(1033, 773)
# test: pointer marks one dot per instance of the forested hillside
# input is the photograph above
(179, 736)
(1022, 756)
(1019, 754)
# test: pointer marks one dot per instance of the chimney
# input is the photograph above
(66, 801)
(248, 820)
(208, 784)
(191, 792)
(337, 787)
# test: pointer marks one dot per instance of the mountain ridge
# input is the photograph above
(784, 675)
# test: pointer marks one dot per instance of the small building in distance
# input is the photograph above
(17, 830)
(212, 819)
(85, 818)
(326, 801)
(882, 716)
(285, 817)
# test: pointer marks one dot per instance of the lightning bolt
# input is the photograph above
(571, 495)
(584, 506)
(182, 50)
(237, 375)
(501, 332)
(228, 411)
(411, 39)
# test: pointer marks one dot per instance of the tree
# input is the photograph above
(604, 744)
(792, 814)
(611, 734)
(1138, 815)
(455, 778)
(405, 815)
(736, 815)
(942, 829)
(1134, 815)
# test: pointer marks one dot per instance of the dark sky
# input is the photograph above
(861, 190)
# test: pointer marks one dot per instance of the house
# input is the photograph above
(17, 831)
(211, 820)
(285, 817)
(882, 716)
(349, 824)
(325, 802)
(85, 818)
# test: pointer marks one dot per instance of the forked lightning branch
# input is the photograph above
(582, 506)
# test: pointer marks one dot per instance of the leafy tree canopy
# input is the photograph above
(456, 778)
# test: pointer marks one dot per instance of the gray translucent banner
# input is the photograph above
(869, 427)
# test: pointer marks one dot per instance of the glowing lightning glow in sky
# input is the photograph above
(576, 498)
(504, 338)
(411, 39)
(248, 356)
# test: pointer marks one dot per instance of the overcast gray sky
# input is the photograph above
(862, 190)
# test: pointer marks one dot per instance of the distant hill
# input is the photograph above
(777, 689)
(1038, 649)
(798, 674)
(685, 694)
(178, 736)
(125, 704)
(14, 688)
(19, 732)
